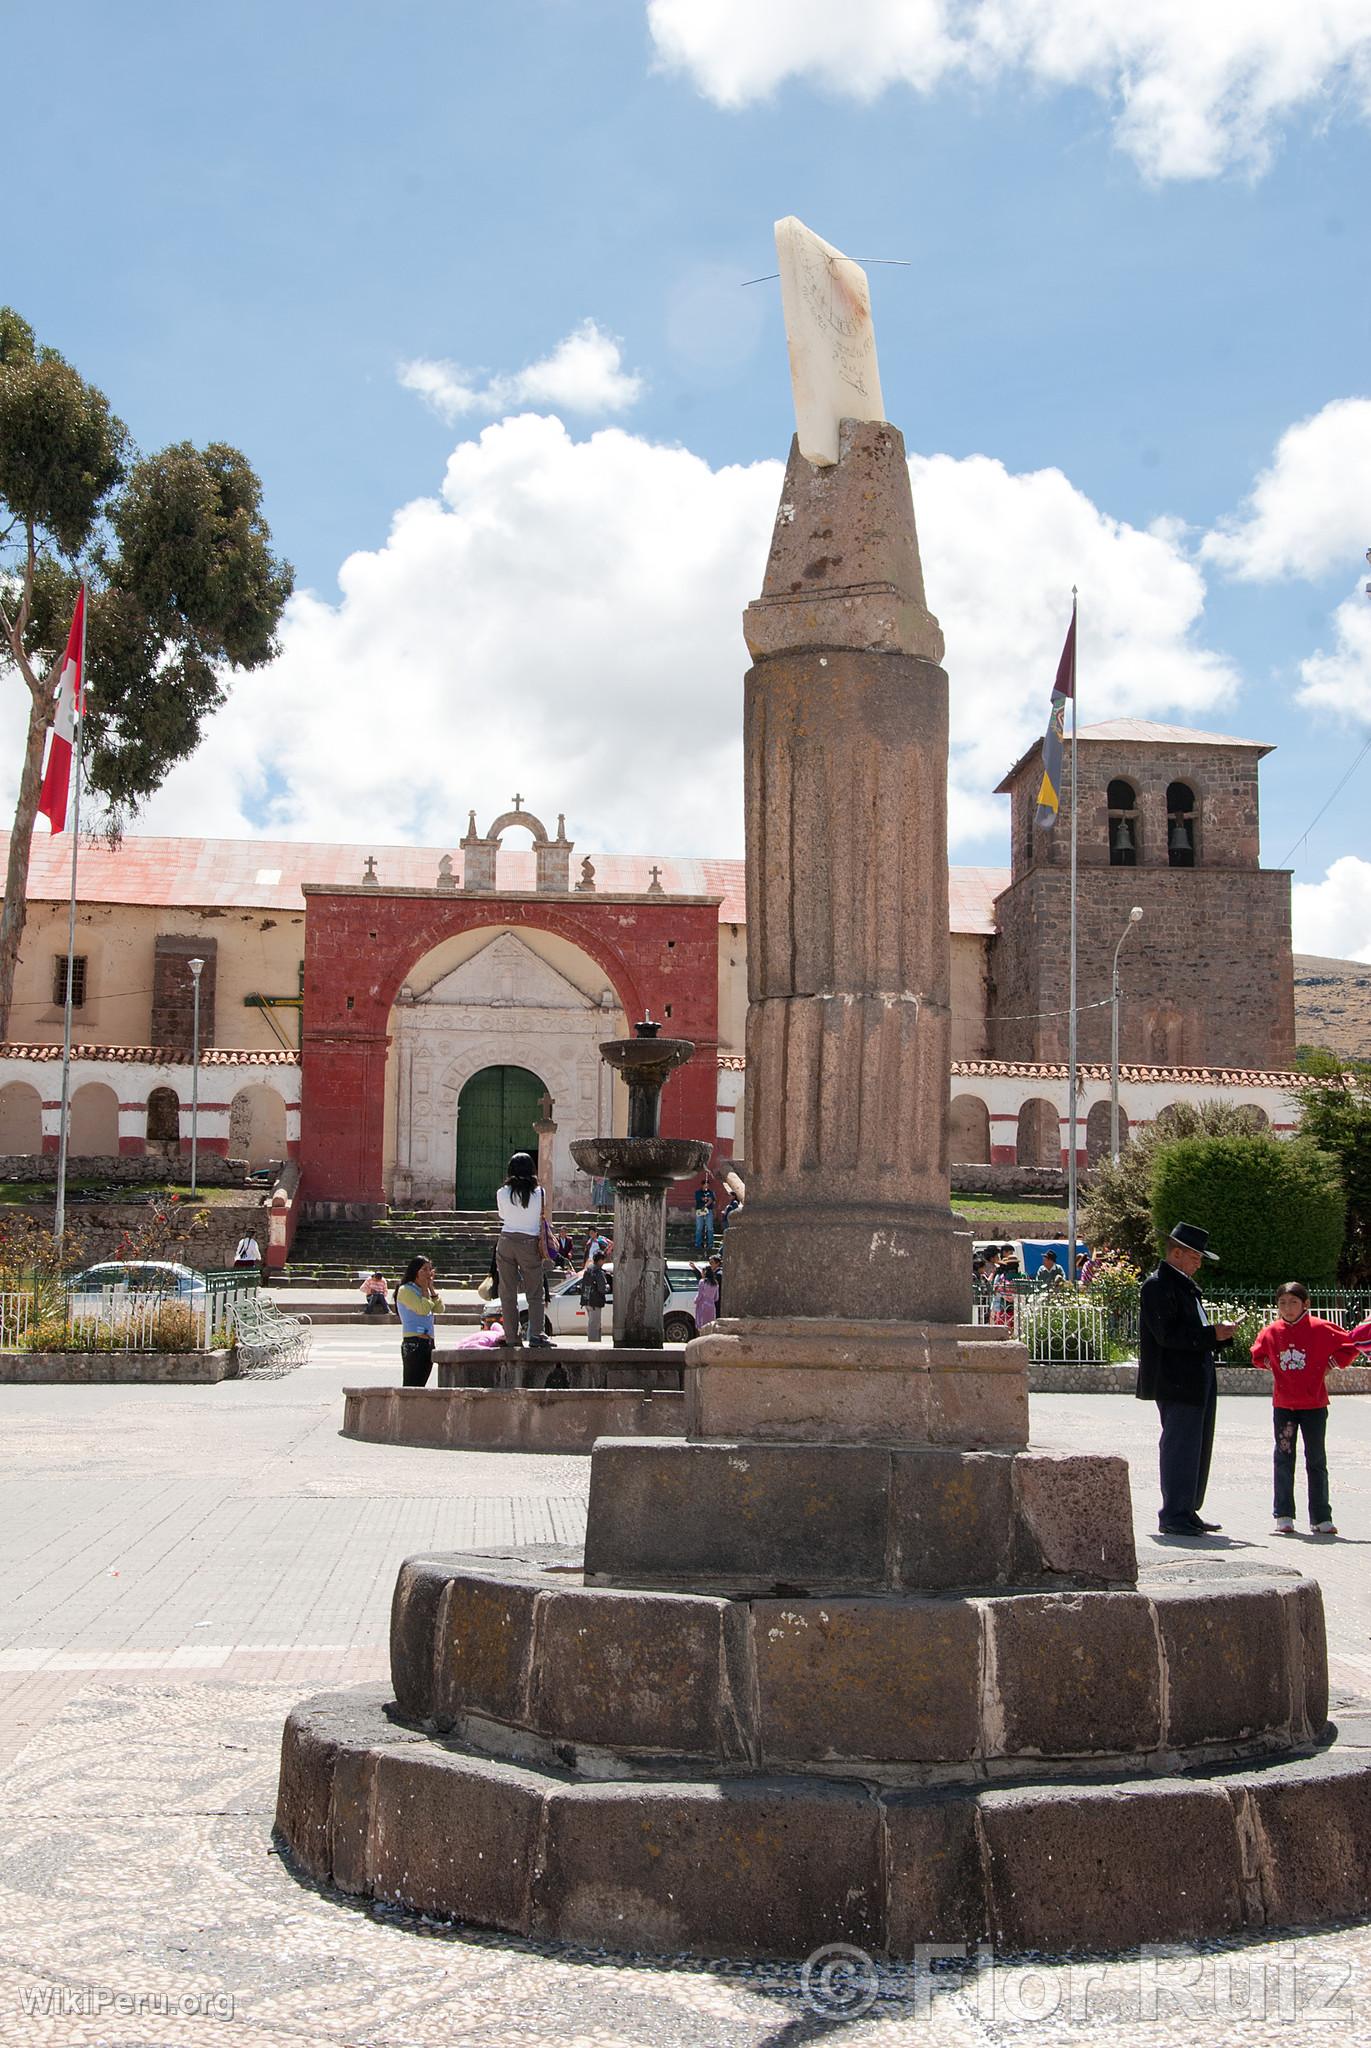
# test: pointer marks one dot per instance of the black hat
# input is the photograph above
(1195, 1239)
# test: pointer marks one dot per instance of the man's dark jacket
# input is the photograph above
(1174, 1342)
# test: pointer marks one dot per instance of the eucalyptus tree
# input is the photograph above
(182, 589)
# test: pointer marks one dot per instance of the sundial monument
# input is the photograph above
(849, 1663)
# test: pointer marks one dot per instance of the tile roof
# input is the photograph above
(1143, 732)
(1197, 1077)
(155, 1055)
(267, 874)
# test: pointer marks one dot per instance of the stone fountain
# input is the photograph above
(641, 1167)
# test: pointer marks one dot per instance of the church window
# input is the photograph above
(1123, 824)
(78, 980)
(1180, 825)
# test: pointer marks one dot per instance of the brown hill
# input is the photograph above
(1333, 1005)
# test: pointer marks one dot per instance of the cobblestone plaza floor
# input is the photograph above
(182, 1564)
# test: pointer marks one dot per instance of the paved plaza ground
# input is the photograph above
(181, 1564)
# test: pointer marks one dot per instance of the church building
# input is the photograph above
(398, 1019)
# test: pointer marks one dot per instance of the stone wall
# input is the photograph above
(491, 1419)
(102, 1227)
(996, 1178)
(1207, 978)
(131, 1169)
(106, 1368)
(173, 990)
(1061, 1378)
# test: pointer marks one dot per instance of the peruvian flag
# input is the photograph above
(52, 799)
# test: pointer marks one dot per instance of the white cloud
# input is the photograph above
(565, 620)
(1341, 679)
(1001, 553)
(1333, 917)
(1309, 511)
(584, 374)
(1196, 86)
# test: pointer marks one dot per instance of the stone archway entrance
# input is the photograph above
(496, 1111)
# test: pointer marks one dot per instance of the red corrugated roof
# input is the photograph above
(267, 874)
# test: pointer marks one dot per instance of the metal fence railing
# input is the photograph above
(132, 1319)
(1058, 1323)
(15, 1312)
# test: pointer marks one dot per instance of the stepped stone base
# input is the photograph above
(829, 1518)
(517, 1658)
(780, 1864)
(491, 1419)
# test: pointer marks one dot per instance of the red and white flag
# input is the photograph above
(52, 799)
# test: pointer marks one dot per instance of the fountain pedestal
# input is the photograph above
(641, 1167)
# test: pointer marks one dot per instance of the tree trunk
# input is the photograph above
(16, 906)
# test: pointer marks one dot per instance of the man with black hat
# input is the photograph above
(1176, 1350)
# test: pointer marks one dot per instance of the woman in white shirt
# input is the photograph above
(519, 1249)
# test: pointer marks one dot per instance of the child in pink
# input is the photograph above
(1298, 1350)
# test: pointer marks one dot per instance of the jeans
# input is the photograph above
(704, 1229)
(1186, 1447)
(1290, 1424)
(519, 1257)
(416, 1360)
(593, 1316)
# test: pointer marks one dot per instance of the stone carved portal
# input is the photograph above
(504, 1007)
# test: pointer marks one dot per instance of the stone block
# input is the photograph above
(935, 1885)
(420, 1585)
(318, 1733)
(1227, 1661)
(455, 1835)
(742, 1867)
(1076, 1514)
(640, 1671)
(1313, 1827)
(1074, 1867)
(1308, 1658)
(885, 1680)
(1074, 1674)
(950, 1518)
(482, 1649)
(783, 1516)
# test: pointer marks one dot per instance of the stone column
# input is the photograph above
(848, 1278)
(547, 1131)
(639, 1262)
(849, 1014)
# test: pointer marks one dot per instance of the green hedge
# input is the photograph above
(1274, 1208)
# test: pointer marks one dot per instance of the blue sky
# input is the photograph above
(1134, 267)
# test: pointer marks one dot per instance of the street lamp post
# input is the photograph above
(1133, 916)
(197, 968)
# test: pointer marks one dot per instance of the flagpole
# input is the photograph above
(60, 1217)
(1071, 1092)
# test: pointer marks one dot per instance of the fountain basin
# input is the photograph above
(656, 1161)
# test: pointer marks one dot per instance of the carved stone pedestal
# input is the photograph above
(821, 1380)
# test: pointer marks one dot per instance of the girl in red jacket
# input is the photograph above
(1297, 1350)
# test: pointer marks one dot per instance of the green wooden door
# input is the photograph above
(496, 1112)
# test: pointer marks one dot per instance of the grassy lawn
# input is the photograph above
(1047, 1208)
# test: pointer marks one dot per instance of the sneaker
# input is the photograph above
(541, 1344)
(1285, 1525)
(1325, 1529)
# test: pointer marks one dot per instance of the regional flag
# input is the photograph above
(1063, 690)
(52, 799)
